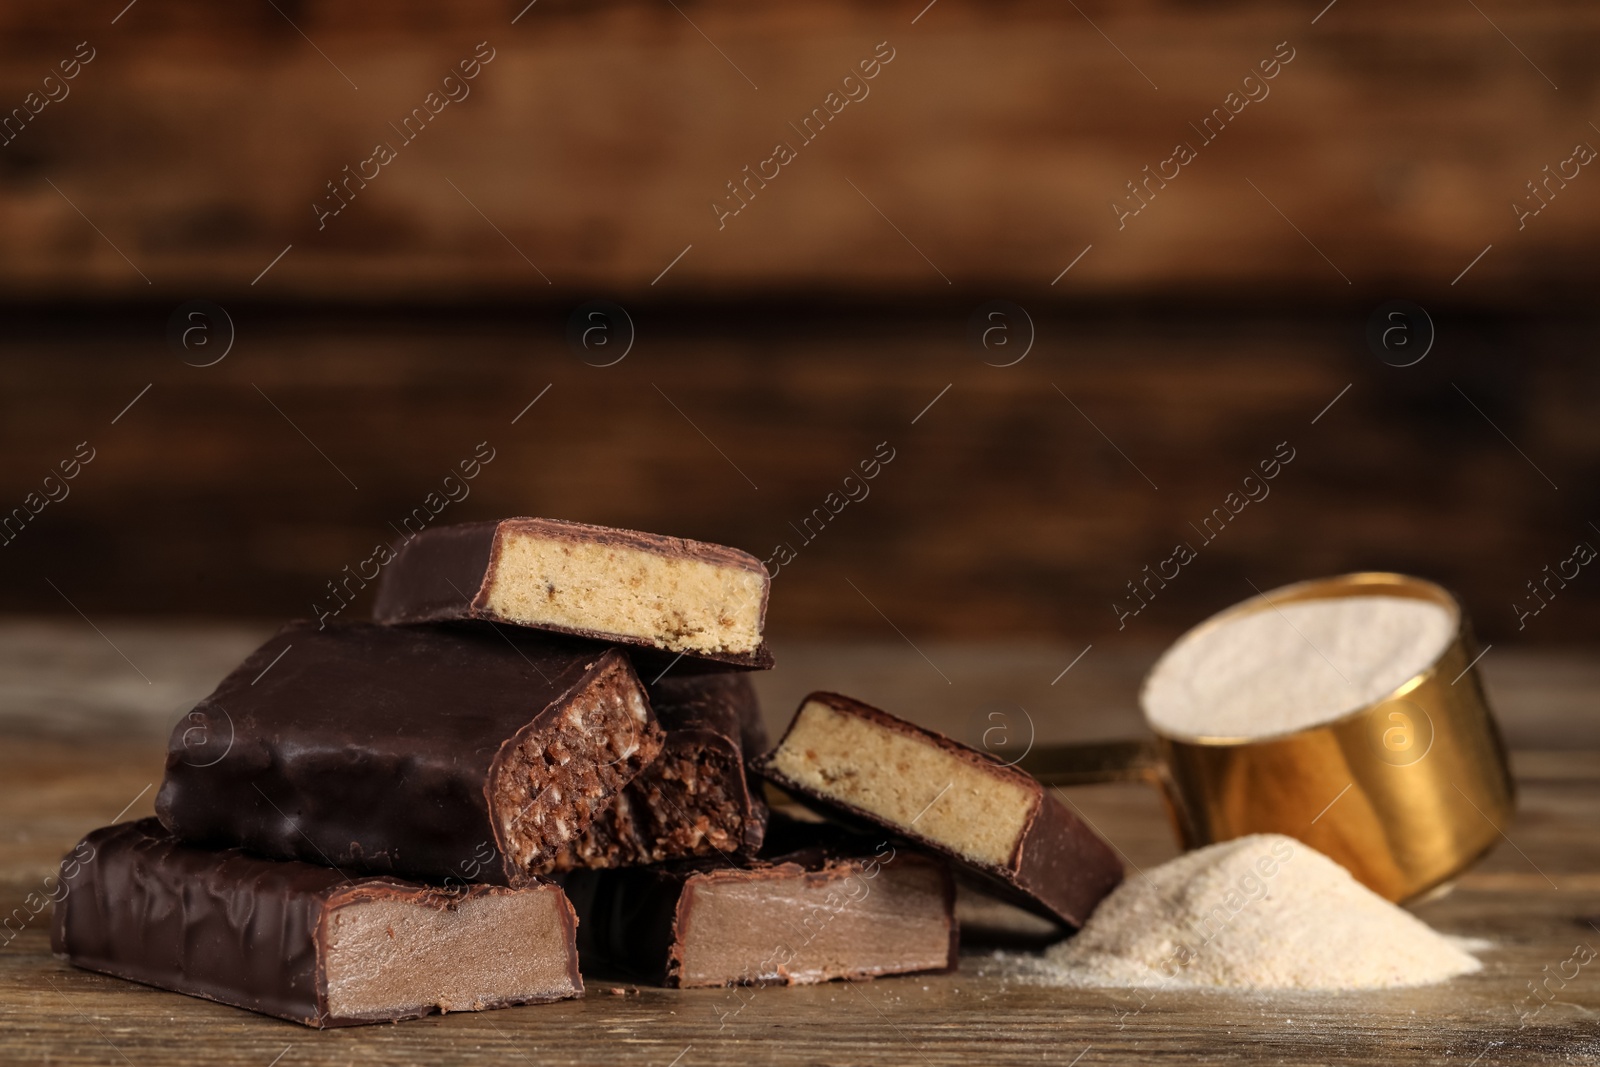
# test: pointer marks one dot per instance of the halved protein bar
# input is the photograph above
(306, 943)
(796, 920)
(613, 585)
(695, 798)
(847, 758)
(457, 752)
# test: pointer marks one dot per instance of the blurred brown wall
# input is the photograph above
(1396, 138)
(1021, 502)
(777, 351)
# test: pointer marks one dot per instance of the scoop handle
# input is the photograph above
(1089, 762)
(1096, 762)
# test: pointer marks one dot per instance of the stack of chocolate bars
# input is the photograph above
(541, 758)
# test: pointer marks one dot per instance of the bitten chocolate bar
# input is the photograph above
(810, 917)
(694, 799)
(847, 758)
(612, 585)
(460, 752)
(305, 943)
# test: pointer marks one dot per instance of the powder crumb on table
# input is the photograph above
(1258, 912)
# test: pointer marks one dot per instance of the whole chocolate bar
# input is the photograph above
(620, 586)
(310, 944)
(695, 798)
(795, 920)
(849, 759)
(444, 752)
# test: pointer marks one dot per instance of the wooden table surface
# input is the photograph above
(83, 715)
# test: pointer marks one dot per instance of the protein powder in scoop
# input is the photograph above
(1294, 665)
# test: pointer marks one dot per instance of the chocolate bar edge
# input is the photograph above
(281, 1000)
(654, 926)
(1025, 880)
(724, 705)
(189, 798)
(470, 562)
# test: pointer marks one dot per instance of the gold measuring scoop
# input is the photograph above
(1405, 792)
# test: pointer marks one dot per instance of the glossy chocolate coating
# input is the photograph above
(725, 702)
(378, 748)
(225, 925)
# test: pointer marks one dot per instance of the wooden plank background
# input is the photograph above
(775, 354)
(1016, 505)
(590, 149)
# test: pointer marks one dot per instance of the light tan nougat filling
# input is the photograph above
(685, 605)
(907, 781)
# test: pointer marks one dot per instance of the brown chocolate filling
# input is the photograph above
(548, 784)
(397, 955)
(784, 925)
(690, 802)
